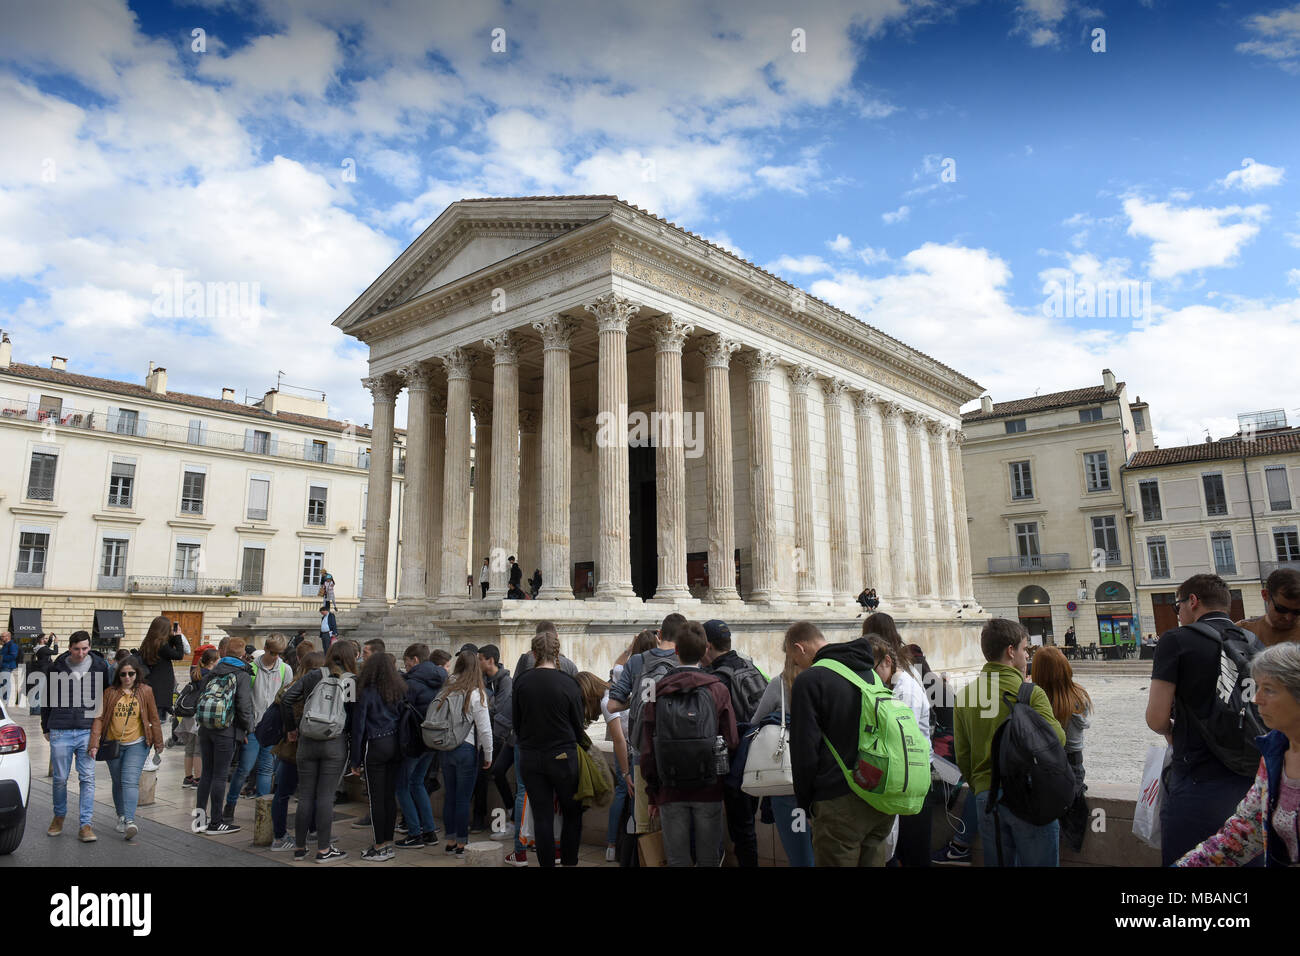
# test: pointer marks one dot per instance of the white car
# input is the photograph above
(15, 782)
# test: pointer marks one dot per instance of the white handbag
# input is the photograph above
(767, 768)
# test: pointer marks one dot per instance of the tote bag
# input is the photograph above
(768, 772)
(1146, 815)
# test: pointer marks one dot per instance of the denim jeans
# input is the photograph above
(412, 797)
(519, 801)
(797, 844)
(1023, 844)
(253, 758)
(125, 770)
(1195, 803)
(64, 746)
(678, 819)
(286, 783)
(616, 808)
(458, 775)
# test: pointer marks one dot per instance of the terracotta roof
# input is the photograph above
(725, 251)
(1282, 443)
(1042, 403)
(57, 377)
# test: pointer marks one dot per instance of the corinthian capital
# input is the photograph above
(863, 402)
(892, 411)
(418, 375)
(916, 419)
(834, 389)
(801, 377)
(717, 351)
(936, 428)
(505, 347)
(760, 365)
(556, 331)
(383, 388)
(956, 437)
(437, 403)
(459, 363)
(612, 312)
(528, 421)
(670, 333)
(482, 409)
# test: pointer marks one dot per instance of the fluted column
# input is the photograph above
(920, 534)
(614, 556)
(455, 484)
(436, 464)
(965, 584)
(529, 488)
(843, 590)
(480, 526)
(503, 520)
(872, 546)
(415, 529)
(718, 465)
(379, 494)
(557, 450)
(670, 459)
(762, 480)
(805, 542)
(902, 587)
(942, 511)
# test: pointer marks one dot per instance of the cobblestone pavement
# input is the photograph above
(1115, 746)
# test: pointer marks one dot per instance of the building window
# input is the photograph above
(33, 551)
(318, 451)
(1096, 471)
(121, 484)
(365, 506)
(1286, 541)
(1157, 558)
(313, 562)
(316, 505)
(1149, 492)
(128, 422)
(1089, 415)
(1022, 484)
(259, 443)
(112, 565)
(40, 478)
(1279, 491)
(192, 492)
(1139, 420)
(197, 433)
(1225, 562)
(361, 569)
(259, 498)
(1015, 425)
(1105, 537)
(187, 561)
(1027, 545)
(250, 578)
(1216, 500)
(49, 408)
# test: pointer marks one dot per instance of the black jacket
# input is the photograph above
(516, 575)
(244, 719)
(500, 688)
(62, 708)
(823, 702)
(423, 682)
(161, 677)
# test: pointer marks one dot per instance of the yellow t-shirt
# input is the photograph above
(126, 725)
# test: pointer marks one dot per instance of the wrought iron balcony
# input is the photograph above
(28, 579)
(1029, 562)
(112, 582)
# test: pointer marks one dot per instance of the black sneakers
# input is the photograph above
(222, 829)
(411, 843)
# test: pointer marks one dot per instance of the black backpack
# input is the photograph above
(653, 667)
(1234, 723)
(686, 727)
(187, 701)
(1031, 775)
(746, 684)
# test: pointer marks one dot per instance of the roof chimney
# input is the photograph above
(156, 381)
(59, 363)
(986, 404)
(6, 350)
(1108, 379)
(227, 394)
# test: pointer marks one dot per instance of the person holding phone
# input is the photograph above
(162, 647)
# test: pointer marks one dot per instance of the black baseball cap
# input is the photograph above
(468, 647)
(717, 632)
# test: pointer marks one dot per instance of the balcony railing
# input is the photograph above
(137, 584)
(1029, 562)
(1112, 557)
(183, 434)
(112, 582)
(29, 579)
(40, 492)
(310, 590)
(119, 501)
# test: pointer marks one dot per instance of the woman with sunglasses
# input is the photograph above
(128, 719)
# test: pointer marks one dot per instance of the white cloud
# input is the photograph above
(841, 244)
(1278, 37)
(898, 215)
(795, 178)
(1193, 238)
(1039, 20)
(799, 265)
(1252, 176)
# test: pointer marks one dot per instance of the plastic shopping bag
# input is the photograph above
(1146, 815)
(527, 829)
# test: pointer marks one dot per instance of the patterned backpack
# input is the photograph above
(216, 708)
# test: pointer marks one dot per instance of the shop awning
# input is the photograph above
(108, 629)
(25, 623)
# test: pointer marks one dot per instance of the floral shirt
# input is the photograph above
(1244, 836)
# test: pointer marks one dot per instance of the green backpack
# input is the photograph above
(893, 765)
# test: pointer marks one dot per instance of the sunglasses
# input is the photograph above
(127, 673)
(1283, 609)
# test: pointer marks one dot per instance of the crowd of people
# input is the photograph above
(871, 742)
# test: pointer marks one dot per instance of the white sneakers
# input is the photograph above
(121, 825)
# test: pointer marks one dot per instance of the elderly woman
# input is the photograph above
(1266, 820)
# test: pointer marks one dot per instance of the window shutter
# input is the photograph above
(111, 422)
(248, 440)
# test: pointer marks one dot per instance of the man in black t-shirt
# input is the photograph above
(1199, 791)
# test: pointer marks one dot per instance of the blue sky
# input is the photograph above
(931, 168)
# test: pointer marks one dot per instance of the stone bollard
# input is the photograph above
(263, 830)
(485, 853)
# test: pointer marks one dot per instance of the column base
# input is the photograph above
(809, 597)
(548, 593)
(683, 602)
(420, 603)
(615, 592)
(372, 606)
(724, 596)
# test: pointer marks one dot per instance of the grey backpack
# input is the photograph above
(446, 724)
(653, 667)
(324, 716)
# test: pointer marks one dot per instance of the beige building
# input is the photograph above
(121, 501)
(661, 426)
(1228, 507)
(1049, 539)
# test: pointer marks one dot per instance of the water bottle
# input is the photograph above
(721, 761)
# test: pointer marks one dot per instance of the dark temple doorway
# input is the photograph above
(644, 538)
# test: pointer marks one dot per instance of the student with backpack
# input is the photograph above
(631, 691)
(225, 717)
(795, 837)
(1212, 735)
(267, 675)
(1072, 707)
(286, 759)
(186, 704)
(547, 714)
(374, 737)
(1004, 727)
(458, 725)
(424, 680)
(688, 734)
(746, 684)
(328, 700)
